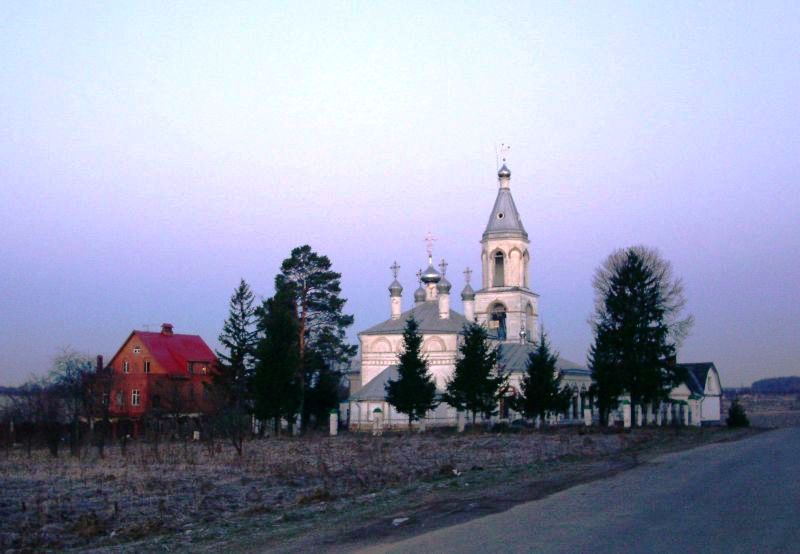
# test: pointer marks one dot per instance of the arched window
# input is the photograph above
(499, 270)
(498, 320)
(530, 323)
(526, 260)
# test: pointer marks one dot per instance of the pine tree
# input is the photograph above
(414, 391)
(234, 374)
(636, 328)
(476, 384)
(321, 342)
(607, 386)
(541, 391)
(737, 417)
(278, 379)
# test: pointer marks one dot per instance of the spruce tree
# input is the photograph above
(540, 388)
(278, 379)
(233, 377)
(476, 384)
(637, 328)
(414, 391)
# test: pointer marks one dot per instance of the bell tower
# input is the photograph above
(505, 303)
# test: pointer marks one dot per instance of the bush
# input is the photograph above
(737, 416)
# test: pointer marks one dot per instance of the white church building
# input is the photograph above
(506, 304)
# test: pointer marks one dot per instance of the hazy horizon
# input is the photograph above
(153, 154)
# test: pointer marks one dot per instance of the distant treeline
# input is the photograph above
(777, 385)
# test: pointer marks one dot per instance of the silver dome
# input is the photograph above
(430, 275)
(419, 295)
(467, 293)
(395, 289)
(444, 286)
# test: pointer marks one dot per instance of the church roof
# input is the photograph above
(504, 221)
(376, 388)
(427, 316)
(514, 357)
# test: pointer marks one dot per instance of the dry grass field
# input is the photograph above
(770, 410)
(188, 494)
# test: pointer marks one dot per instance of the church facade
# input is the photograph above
(505, 304)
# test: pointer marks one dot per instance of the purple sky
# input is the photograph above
(152, 154)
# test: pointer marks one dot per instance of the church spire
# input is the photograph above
(504, 221)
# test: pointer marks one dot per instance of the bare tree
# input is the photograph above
(70, 382)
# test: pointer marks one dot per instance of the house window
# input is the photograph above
(137, 349)
(126, 368)
(135, 397)
(147, 366)
(120, 398)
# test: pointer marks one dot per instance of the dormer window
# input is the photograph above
(137, 349)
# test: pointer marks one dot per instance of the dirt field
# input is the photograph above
(189, 497)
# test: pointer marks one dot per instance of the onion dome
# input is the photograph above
(395, 289)
(444, 286)
(419, 295)
(504, 172)
(430, 275)
(467, 293)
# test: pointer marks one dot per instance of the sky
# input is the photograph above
(152, 154)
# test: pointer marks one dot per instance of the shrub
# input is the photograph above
(737, 416)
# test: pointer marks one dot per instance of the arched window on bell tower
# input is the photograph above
(497, 320)
(530, 323)
(499, 270)
(526, 261)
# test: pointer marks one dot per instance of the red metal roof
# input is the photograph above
(174, 351)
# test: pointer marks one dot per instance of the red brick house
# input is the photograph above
(160, 374)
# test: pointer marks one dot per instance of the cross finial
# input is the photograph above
(467, 274)
(419, 276)
(395, 268)
(429, 240)
(443, 267)
(504, 150)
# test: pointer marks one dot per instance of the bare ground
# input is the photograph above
(298, 494)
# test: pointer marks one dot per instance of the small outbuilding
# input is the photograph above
(703, 382)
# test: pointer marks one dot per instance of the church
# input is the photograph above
(505, 303)
(507, 306)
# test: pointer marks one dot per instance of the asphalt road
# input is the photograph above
(740, 496)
